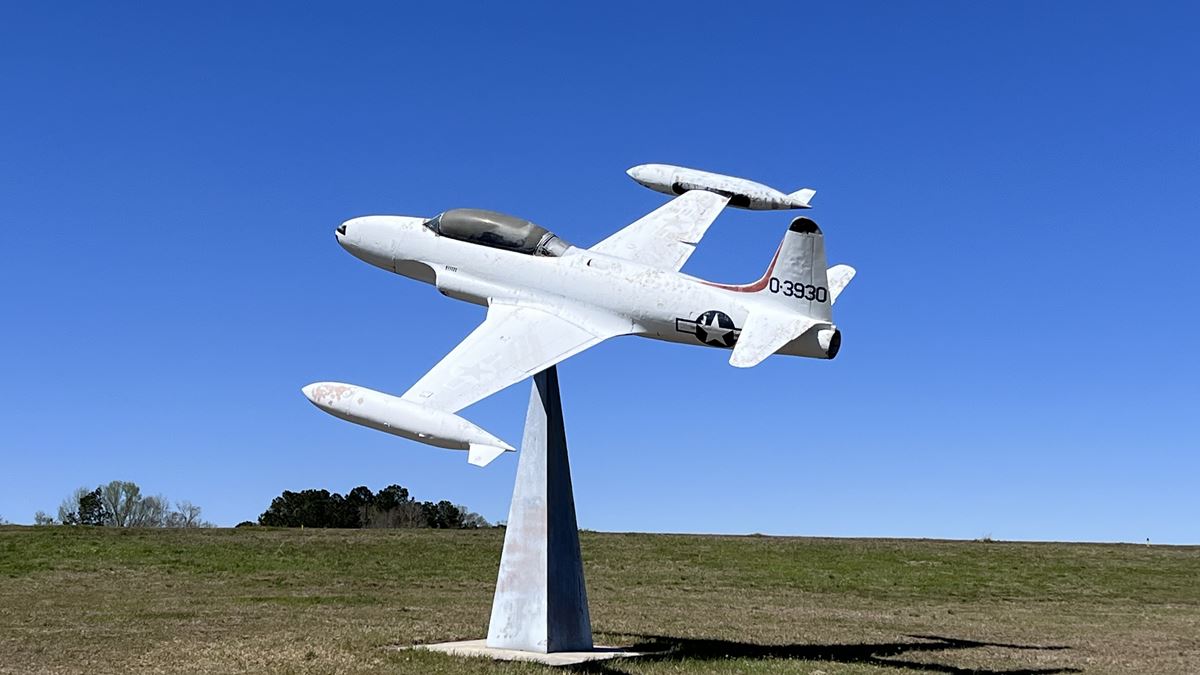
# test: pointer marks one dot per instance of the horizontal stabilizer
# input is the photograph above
(839, 277)
(482, 455)
(802, 197)
(765, 333)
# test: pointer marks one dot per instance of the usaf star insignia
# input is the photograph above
(712, 328)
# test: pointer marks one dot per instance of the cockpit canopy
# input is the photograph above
(497, 230)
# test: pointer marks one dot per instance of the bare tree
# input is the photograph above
(42, 518)
(401, 514)
(150, 512)
(128, 508)
(123, 500)
(190, 512)
(410, 514)
(186, 514)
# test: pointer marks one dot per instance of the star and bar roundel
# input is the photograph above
(713, 327)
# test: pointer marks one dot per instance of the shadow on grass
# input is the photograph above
(878, 654)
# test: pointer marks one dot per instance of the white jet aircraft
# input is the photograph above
(548, 300)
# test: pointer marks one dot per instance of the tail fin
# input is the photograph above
(801, 291)
(797, 278)
(839, 277)
(802, 197)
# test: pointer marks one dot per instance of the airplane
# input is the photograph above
(548, 300)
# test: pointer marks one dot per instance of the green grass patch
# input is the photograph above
(99, 600)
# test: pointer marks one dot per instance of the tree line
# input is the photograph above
(120, 503)
(391, 507)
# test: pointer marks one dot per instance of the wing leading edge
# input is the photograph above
(514, 342)
(666, 237)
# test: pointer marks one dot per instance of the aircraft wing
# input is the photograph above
(514, 342)
(666, 237)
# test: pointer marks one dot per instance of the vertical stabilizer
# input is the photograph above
(797, 278)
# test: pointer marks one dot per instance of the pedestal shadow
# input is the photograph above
(875, 654)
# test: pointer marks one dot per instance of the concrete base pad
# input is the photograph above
(480, 648)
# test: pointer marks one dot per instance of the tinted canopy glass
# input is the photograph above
(496, 230)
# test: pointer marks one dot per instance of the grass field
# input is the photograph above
(83, 600)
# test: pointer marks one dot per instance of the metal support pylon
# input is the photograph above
(541, 601)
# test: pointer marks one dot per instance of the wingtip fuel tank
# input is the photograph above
(406, 419)
(742, 193)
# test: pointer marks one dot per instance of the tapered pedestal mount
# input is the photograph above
(540, 610)
(541, 602)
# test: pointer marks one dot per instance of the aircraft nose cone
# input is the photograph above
(310, 391)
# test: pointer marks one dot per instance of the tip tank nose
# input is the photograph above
(641, 173)
(326, 394)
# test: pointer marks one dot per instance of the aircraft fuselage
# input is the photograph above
(638, 299)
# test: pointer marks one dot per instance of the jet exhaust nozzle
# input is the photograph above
(830, 341)
(406, 419)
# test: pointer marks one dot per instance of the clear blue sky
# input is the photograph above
(1016, 183)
